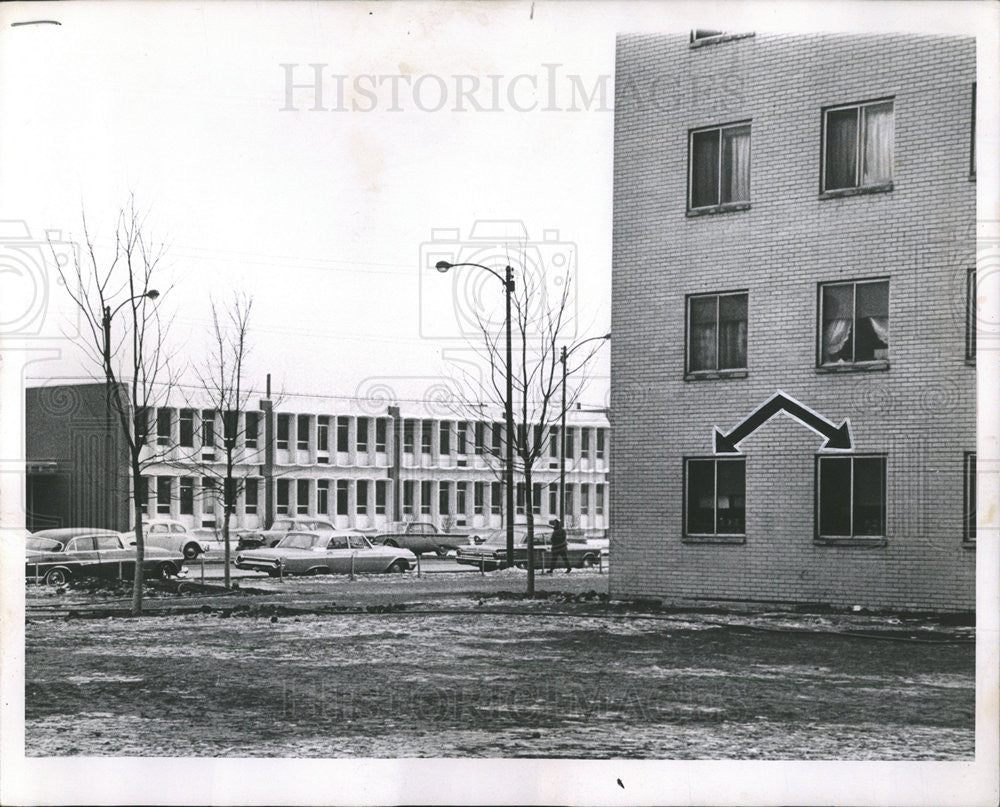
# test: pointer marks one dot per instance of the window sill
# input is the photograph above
(842, 192)
(716, 40)
(714, 539)
(731, 207)
(855, 367)
(873, 541)
(714, 375)
(967, 544)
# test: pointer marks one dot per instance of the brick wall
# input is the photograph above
(920, 412)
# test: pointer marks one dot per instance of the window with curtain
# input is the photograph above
(716, 497)
(719, 166)
(717, 332)
(851, 497)
(854, 322)
(858, 146)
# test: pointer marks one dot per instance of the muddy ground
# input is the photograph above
(488, 677)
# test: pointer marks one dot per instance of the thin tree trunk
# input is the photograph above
(140, 547)
(529, 510)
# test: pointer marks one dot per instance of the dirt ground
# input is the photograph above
(487, 677)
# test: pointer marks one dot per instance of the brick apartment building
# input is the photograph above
(796, 214)
(358, 465)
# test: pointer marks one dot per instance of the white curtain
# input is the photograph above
(877, 165)
(736, 169)
(881, 327)
(836, 332)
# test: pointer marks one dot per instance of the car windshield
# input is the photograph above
(42, 544)
(499, 538)
(298, 540)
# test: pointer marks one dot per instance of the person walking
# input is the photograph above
(558, 546)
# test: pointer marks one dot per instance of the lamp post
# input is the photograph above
(508, 285)
(110, 480)
(564, 354)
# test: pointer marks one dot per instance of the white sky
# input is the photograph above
(322, 216)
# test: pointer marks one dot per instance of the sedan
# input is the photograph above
(492, 553)
(344, 551)
(282, 526)
(169, 534)
(55, 556)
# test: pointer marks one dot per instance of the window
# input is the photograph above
(362, 440)
(536, 498)
(719, 167)
(970, 316)
(162, 426)
(208, 496)
(599, 499)
(568, 495)
(187, 427)
(163, 495)
(323, 497)
(970, 497)
(701, 33)
(716, 497)
(569, 443)
(479, 441)
(250, 497)
(409, 488)
(553, 498)
(702, 36)
(445, 431)
(342, 495)
(342, 441)
(972, 147)
(854, 322)
(302, 432)
(497, 438)
(426, 436)
(283, 425)
(323, 433)
(362, 497)
(585, 500)
(187, 496)
(409, 436)
(496, 499)
(381, 490)
(554, 443)
(283, 486)
(478, 497)
(141, 425)
(585, 444)
(460, 495)
(381, 434)
(717, 332)
(444, 498)
(144, 494)
(302, 497)
(858, 146)
(462, 437)
(252, 429)
(426, 491)
(519, 498)
(601, 440)
(208, 434)
(851, 497)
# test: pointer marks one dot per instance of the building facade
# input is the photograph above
(340, 459)
(793, 270)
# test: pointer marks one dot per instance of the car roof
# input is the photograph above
(63, 533)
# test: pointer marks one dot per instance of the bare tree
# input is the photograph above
(541, 325)
(132, 356)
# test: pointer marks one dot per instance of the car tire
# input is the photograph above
(589, 561)
(56, 577)
(191, 550)
(442, 551)
(398, 567)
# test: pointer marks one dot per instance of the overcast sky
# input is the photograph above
(434, 118)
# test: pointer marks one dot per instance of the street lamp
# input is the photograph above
(152, 294)
(564, 354)
(508, 285)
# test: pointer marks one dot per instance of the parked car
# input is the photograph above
(55, 556)
(167, 533)
(213, 541)
(342, 551)
(284, 525)
(492, 553)
(421, 536)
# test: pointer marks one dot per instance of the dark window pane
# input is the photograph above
(835, 496)
(702, 347)
(187, 427)
(838, 323)
(731, 497)
(872, 321)
(701, 497)
(705, 168)
(970, 497)
(841, 149)
(732, 331)
(869, 496)
(736, 164)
